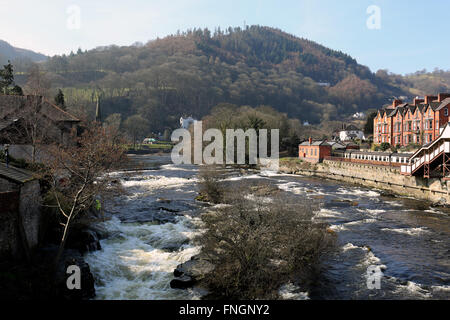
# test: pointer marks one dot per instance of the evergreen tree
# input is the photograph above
(7, 81)
(59, 100)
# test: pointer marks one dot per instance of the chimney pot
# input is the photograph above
(396, 103)
(418, 100)
(310, 141)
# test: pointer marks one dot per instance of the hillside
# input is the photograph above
(21, 58)
(191, 72)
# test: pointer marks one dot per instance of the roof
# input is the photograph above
(351, 127)
(15, 175)
(17, 106)
(443, 104)
(315, 143)
(336, 145)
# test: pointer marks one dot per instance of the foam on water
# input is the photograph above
(132, 264)
(327, 213)
(349, 246)
(357, 192)
(408, 231)
(292, 292)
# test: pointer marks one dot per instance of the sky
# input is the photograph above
(402, 36)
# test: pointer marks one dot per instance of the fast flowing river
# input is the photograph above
(151, 226)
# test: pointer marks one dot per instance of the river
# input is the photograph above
(150, 230)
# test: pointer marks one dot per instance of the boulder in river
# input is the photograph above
(191, 272)
(182, 282)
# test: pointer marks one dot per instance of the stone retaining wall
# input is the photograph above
(381, 177)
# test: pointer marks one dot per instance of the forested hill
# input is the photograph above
(191, 72)
(19, 57)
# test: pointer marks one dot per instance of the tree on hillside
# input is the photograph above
(59, 100)
(7, 84)
(368, 127)
(38, 83)
(137, 127)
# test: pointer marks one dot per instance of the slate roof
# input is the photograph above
(351, 128)
(315, 143)
(16, 175)
(17, 106)
(443, 103)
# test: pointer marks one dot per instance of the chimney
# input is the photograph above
(396, 103)
(443, 96)
(429, 99)
(310, 141)
(417, 101)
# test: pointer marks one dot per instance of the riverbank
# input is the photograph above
(384, 178)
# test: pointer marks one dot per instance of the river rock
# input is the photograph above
(84, 240)
(189, 273)
(196, 269)
(182, 282)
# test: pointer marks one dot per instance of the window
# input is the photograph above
(446, 112)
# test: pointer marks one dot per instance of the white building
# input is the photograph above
(186, 122)
(351, 132)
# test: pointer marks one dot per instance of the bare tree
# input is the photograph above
(78, 175)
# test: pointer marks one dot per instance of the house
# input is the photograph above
(185, 123)
(314, 151)
(336, 146)
(350, 145)
(419, 122)
(29, 121)
(18, 113)
(20, 202)
(350, 132)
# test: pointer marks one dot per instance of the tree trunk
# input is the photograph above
(63, 241)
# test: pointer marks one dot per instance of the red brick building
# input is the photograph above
(314, 151)
(418, 122)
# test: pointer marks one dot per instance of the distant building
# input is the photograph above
(185, 123)
(19, 112)
(149, 141)
(350, 132)
(359, 115)
(306, 123)
(337, 145)
(314, 151)
(418, 122)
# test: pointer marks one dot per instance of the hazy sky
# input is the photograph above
(413, 34)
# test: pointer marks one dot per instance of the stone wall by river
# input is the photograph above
(381, 177)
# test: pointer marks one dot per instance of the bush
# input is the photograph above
(210, 188)
(257, 247)
(384, 146)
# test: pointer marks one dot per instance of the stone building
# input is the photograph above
(20, 202)
(19, 113)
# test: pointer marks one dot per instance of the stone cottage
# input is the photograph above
(20, 202)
